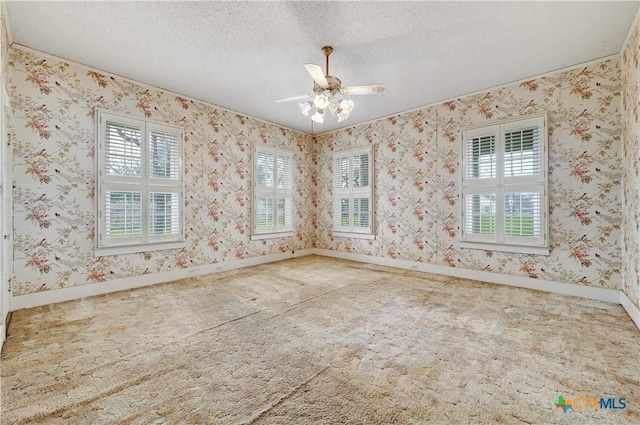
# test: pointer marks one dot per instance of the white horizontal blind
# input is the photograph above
(361, 170)
(481, 214)
(522, 152)
(265, 169)
(273, 191)
(341, 192)
(164, 182)
(504, 185)
(164, 213)
(164, 155)
(361, 213)
(123, 214)
(481, 157)
(522, 214)
(284, 207)
(139, 181)
(283, 211)
(123, 153)
(361, 192)
(264, 214)
(353, 191)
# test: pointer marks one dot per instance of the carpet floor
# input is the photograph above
(315, 340)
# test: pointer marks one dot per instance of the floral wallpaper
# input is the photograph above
(53, 104)
(417, 174)
(417, 170)
(630, 65)
(4, 49)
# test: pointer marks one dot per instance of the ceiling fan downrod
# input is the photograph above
(327, 51)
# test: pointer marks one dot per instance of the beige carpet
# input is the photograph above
(319, 341)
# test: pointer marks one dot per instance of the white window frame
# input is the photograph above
(502, 184)
(274, 193)
(143, 184)
(351, 193)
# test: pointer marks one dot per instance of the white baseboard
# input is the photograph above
(582, 291)
(83, 291)
(632, 309)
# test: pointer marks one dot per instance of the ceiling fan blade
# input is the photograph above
(370, 89)
(292, 98)
(317, 74)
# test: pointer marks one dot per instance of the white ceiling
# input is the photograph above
(244, 55)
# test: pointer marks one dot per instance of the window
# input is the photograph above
(353, 193)
(272, 193)
(140, 195)
(504, 186)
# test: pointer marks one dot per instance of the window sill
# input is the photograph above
(354, 235)
(515, 249)
(106, 251)
(262, 236)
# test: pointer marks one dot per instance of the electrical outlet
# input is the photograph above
(414, 267)
(219, 268)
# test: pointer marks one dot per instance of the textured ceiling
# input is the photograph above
(244, 55)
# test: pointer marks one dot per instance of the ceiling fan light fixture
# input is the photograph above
(321, 101)
(318, 116)
(305, 107)
(347, 106)
(326, 87)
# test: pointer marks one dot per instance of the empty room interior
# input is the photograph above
(320, 212)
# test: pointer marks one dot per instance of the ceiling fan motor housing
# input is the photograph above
(335, 85)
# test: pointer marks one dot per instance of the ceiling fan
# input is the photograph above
(325, 89)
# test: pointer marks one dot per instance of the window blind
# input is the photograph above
(265, 171)
(285, 171)
(164, 155)
(123, 214)
(361, 170)
(522, 152)
(523, 214)
(123, 154)
(504, 186)
(480, 217)
(352, 191)
(481, 157)
(273, 191)
(341, 173)
(164, 213)
(284, 208)
(139, 183)
(360, 212)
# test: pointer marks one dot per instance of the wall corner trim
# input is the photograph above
(632, 310)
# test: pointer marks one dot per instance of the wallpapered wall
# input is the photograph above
(417, 179)
(631, 181)
(54, 173)
(4, 49)
(416, 166)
